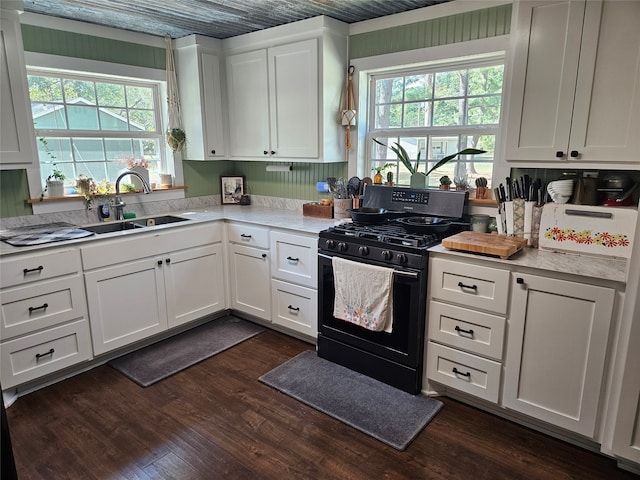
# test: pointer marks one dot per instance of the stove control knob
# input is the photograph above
(330, 244)
(342, 246)
(402, 258)
(364, 251)
(387, 255)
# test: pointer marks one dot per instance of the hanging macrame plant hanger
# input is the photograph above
(348, 113)
(176, 137)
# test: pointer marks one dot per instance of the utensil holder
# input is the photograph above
(340, 207)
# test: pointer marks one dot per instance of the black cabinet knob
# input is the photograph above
(168, 260)
(559, 154)
(520, 281)
(265, 152)
(213, 152)
(273, 152)
(574, 154)
(159, 262)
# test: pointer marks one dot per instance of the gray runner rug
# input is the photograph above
(161, 360)
(383, 412)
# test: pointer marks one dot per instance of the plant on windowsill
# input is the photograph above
(54, 184)
(377, 178)
(419, 179)
(445, 182)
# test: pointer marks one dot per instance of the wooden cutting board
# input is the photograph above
(502, 246)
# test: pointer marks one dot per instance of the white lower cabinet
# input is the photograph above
(556, 350)
(139, 297)
(295, 307)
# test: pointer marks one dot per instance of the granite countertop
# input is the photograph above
(601, 268)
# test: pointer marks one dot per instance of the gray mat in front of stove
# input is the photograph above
(383, 412)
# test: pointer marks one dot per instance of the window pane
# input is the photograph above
(417, 114)
(448, 112)
(88, 150)
(48, 115)
(418, 87)
(117, 149)
(388, 116)
(44, 89)
(142, 120)
(483, 110)
(111, 95)
(389, 90)
(450, 84)
(54, 150)
(139, 97)
(112, 119)
(79, 91)
(485, 80)
(82, 118)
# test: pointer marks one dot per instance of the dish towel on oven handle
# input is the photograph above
(364, 294)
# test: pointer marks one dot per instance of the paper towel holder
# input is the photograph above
(279, 168)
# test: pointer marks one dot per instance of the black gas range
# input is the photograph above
(394, 357)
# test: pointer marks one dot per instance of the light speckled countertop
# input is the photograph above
(600, 268)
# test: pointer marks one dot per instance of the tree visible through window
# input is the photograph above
(94, 126)
(437, 112)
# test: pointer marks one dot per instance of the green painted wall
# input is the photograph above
(489, 22)
(14, 190)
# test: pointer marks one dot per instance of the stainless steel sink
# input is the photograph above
(113, 227)
(142, 223)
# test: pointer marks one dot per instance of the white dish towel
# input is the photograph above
(364, 294)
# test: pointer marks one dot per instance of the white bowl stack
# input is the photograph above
(560, 190)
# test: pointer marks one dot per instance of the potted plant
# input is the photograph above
(176, 139)
(461, 183)
(377, 178)
(445, 182)
(419, 179)
(54, 185)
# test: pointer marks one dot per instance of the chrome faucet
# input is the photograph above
(119, 205)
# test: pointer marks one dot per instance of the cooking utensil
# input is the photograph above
(429, 224)
(368, 215)
(353, 187)
(366, 181)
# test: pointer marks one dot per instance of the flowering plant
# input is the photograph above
(133, 162)
(89, 189)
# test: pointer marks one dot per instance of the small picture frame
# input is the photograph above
(231, 189)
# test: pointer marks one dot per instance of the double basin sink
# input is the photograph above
(141, 224)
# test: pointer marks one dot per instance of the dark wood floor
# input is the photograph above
(215, 420)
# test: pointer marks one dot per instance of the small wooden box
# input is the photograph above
(316, 210)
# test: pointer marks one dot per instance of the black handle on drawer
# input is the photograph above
(40, 355)
(520, 281)
(461, 330)
(244, 235)
(33, 270)
(291, 259)
(295, 309)
(462, 374)
(44, 306)
(264, 255)
(471, 287)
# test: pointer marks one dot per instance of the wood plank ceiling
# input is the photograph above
(215, 18)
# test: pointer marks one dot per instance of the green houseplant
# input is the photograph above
(377, 178)
(54, 184)
(419, 179)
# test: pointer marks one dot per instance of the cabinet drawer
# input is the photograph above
(469, 285)
(294, 258)
(41, 305)
(295, 307)
(466, 329)
(248, 235)
(23, 269)
(32, 356)
(462, 371)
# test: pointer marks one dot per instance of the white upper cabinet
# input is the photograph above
(575, 83)
(17, 137)
(284, 87)
(200, 82)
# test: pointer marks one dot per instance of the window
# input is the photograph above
(94, 125)
(437, 111)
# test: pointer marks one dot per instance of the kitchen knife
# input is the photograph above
(503, 195)
(509, 189)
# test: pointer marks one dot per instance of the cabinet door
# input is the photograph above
(294, 258)
(544, 70)
(295, 307)
(247, 85)
(556, 350)
(294, 97)
(17, 137)
(212, 94)
(126, 303)
(606, 115)
(250, 282)
(194, 284)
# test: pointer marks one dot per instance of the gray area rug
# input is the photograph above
(161, 360)
(383, 412)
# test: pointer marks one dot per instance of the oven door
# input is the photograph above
(405, 344)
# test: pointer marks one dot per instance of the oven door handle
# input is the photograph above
(395, 272)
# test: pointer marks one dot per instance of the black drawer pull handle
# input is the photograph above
(291, 259)
(44, 306)
(295, 309)
(40, 355)
(458, 372)
(167, 261)
(264, 255)
(460, 330)
(243, 235)
(159, 262)
(32, 270)
(471, 287)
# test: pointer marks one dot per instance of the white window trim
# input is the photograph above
(57, 62)
(458, 52)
